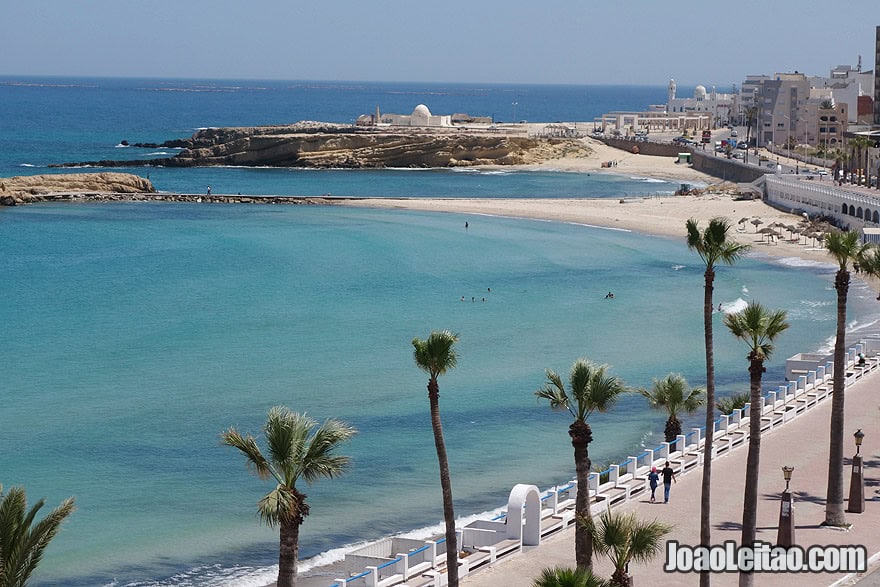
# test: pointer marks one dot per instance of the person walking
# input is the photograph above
(668, 478)
(653, 481)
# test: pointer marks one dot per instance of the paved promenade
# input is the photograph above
(802, 443)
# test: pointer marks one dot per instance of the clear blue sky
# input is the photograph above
(484, 41)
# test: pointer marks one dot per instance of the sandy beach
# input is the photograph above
(660, 216)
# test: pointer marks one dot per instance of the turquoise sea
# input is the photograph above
(134, 333)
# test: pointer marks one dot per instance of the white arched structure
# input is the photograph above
(524, 503)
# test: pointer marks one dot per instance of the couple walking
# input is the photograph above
(668, 478)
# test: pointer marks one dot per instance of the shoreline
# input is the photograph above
(662, 216)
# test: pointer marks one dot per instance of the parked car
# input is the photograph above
(733, 133)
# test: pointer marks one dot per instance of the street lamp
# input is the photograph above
(785, 534)
(514, 111)
(857, 480)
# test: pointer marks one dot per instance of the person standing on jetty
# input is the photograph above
(668, 478)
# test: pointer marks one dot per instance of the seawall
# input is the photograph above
(708, 163)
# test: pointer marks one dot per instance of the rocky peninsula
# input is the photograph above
(324, 145)
(36, 188)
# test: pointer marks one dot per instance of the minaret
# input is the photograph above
(671, 90)
(377, 115)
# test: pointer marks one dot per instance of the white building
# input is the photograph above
(420, 117)
(721, 108)
(845, 84)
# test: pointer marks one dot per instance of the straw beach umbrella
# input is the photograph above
(757, 222)
(765, 232)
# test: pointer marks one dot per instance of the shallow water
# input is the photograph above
(140, 331)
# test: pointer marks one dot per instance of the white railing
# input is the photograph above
(424, 564)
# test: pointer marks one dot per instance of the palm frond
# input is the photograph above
(554, 392)
(712, 244)
(436, 355)
(277, 505)
(319, 460)
(623, 538)
(845, 247)
(23, 542)
(737, 401)
(256, 462)
(568, 577)
(285, 437)
(672, 394)
(758, 327)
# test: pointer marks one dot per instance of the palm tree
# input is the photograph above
(713, 246)
(751, 117)
(870, 263)
(22, 542)
(846, 248)
(623, 539)
(758, 328)
(730, 404)
(673, 395)
(436, 355)
(565, 577)
(860, 146)
(590, 389)
(299, 448)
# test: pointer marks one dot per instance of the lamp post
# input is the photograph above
(857, 481)
(785, 535)
(514, 111)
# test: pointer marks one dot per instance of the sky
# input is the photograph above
(637, 42)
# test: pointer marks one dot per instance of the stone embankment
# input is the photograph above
(35, 188)
(321, 145)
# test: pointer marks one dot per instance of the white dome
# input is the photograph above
(700, 92)
(421, 111)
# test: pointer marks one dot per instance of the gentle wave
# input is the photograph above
(734, 307)
(677, 267)
(28, 165)
(799, 262)
(211, 576)
(648, 179)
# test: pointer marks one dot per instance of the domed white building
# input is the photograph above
(421, 117)
(720, 107)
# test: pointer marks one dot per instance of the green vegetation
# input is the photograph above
(436, 355)
(623, 538)
(758, 328)
(713, 247)
(299, 448)
(590, 389)
(22, 541)
(672, 395)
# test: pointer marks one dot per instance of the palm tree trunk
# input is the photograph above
(288, 553)
(705, 494)
(750, 494)
(581, 436)
(834, 498)
(445, 484)
(672, 428)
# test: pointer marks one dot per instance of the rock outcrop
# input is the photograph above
(320, 145)
(32, 188)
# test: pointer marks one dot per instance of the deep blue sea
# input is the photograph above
(134, 333)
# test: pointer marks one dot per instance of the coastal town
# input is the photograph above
(780, 169)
